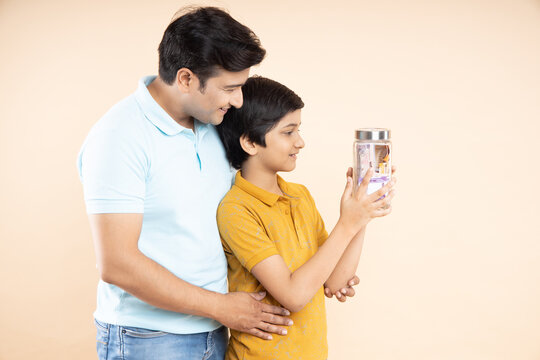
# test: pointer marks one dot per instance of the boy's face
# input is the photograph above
(283, 143)
(220, 93)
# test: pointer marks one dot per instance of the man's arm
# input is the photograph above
(121, 263)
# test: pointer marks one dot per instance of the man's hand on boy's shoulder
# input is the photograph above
(345, 292)
(246, 313)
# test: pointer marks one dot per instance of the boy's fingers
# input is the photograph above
(365, 182)
(348, 292)
(380, 193)
(341, 297)
(350, 172)
(382, 212)
(328, 293)
(386, 201)
(354, 281)
(348, 188)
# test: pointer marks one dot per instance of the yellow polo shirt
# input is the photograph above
(255, 224)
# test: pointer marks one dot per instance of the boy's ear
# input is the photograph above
(247, 145)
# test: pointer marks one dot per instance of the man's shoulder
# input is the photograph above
(123, 115)
(124, 122)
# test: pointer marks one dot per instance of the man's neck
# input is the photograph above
(261, 177)
(166, 97)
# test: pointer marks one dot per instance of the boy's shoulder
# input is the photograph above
(297, 187)
(297, 190)
(237, 197)
(234, 195)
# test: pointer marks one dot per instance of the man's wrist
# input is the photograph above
(214, 309)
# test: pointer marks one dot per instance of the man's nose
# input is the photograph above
(237, 98)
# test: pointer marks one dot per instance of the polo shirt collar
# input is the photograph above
(157, 115)
(266, 197)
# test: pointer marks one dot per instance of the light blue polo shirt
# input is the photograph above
(137, 159)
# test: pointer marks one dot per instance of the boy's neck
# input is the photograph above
(261, 177)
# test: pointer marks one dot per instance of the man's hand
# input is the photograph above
(345, 292)
(246, 313)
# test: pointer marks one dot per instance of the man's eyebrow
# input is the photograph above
(233, 86)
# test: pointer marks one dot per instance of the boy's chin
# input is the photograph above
(288, 168)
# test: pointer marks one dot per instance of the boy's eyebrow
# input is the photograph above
(292, 124)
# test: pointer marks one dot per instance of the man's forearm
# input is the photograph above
(152, 283)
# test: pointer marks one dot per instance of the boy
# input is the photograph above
(272, 233)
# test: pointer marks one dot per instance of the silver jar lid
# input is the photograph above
(373, 134)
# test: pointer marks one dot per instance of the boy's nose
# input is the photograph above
(300, 143)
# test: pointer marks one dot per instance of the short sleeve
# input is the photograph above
(242, 233)
(112, 168)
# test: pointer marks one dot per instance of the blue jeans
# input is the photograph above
(129, 343)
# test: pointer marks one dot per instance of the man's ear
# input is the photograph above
(247, 145)
(185, 79)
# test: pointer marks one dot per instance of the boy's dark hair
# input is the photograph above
(205, 39)
(266, 102)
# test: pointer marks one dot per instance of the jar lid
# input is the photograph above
(373, 134)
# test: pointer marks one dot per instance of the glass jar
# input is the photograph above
(372, 148)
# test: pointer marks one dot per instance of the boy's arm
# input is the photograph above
(345, 292)
(295, 290)
(346, 266)
(121, 263)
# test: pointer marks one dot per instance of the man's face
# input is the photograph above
(283, 143)
(222, 91)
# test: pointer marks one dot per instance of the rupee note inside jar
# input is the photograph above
(372, 148)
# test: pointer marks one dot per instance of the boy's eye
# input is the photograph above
(291, 132)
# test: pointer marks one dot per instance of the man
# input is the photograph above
(154, 171)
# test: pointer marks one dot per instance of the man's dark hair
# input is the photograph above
(204, 40)
(266, 102)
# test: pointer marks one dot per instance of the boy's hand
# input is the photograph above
(246, 313)
(358, 208)
(344, 293)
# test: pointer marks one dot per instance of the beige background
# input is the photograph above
(453, 273)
